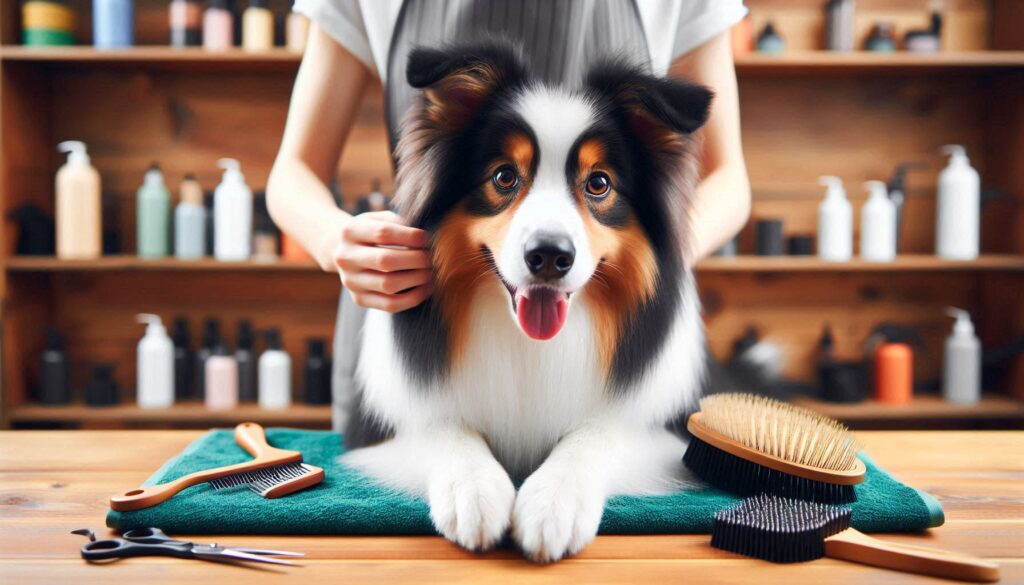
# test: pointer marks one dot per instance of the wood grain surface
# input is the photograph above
(52, 482)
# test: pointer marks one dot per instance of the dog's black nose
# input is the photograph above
(549, 256)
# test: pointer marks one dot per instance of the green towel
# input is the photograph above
(348, 503)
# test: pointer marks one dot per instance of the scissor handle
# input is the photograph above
(151, 535)
(119, 548)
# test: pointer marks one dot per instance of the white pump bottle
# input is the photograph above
(958, 207)
(155, 370)
(961, 369)
(232, 214)
(835, 222)
(878, 224)
(79, 216)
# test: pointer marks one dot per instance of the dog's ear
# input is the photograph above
(658, 110)
(459, 79)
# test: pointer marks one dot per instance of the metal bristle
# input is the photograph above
(263, 480)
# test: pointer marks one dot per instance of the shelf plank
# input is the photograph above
(827, 62)
(905, 263)
(921, 408)
(179, 414)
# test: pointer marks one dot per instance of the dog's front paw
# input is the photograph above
(471, 503)
(557, 513)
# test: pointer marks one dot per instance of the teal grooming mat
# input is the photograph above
(348, 503)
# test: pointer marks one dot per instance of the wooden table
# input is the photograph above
(54, 481)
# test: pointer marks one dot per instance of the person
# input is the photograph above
(382, 262)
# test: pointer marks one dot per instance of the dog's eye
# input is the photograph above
(598, 185)
(505, 178)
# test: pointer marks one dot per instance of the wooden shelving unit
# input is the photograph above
(184, 414)
(805, 113)
(925, 412)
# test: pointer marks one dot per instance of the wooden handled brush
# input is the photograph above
(272, 473)
(749, 444)
(785, 530)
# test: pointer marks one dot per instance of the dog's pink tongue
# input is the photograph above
(541, 312)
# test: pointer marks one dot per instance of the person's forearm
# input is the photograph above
(303, 207)
(722, 206)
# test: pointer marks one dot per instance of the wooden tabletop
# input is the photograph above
(52, 482)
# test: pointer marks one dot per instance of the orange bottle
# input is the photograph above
(894, 373)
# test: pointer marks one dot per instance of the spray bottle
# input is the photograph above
(155, 365)
(232, 214)
(958, 207)
(835, 222)
(878, 225)
(79, 215)
(961, 369)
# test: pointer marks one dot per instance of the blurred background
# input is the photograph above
(869, 90)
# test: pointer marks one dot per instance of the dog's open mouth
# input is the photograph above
(540, 310)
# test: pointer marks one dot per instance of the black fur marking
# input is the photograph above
(427, 66)
(362, 430)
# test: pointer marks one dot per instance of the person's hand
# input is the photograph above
(392, 279)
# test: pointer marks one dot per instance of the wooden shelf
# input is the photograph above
(928, 411)
(906, 263)
(182, 414)
(815, 62)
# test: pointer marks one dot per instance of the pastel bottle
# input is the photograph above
(153, 215)
(275, 374)
(221, 380)
(232, 214)
(218, 26)
(961, 367)
(113, 23)
(79, 209)
(190, 221)
(835, 222)
(958, 207)
(155, 369)
(257, 27)
(211, 338)
(878, 224)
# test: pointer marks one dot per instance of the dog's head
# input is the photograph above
(556, 193)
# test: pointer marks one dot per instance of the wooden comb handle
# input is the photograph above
(249, 435)
(851, 545)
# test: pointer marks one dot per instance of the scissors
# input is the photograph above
(146, 542)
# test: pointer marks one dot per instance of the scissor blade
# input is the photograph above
(244, 556)
(271, 553)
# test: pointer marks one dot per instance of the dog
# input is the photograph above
(564, 332)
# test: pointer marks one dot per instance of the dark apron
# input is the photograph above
(560, 40)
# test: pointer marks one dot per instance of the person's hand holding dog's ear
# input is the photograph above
(383, 263)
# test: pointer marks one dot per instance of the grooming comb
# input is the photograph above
(272, 473)
(749, 444)
(784, 530)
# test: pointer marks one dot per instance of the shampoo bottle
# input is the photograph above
(961, 370)
(257, 27)
(190, 221)
(113, 23)
(878, 224)
(835, 223)
(275, 377)
(959, 207)
(79, 212)
(232, 214)
(184, 377)
(221, 380)
(317, 374)
(211, 337)
(155, 365)
(246, 359)
(218, 26)
(153, 215)
(54, 384)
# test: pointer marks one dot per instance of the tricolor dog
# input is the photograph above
(564, 332)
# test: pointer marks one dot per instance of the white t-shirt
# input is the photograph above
(672, 27)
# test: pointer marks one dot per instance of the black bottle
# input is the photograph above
(316, 381)
(102, 388)
(211, 337)
(246, 359)
(54, 384)
(184, 375)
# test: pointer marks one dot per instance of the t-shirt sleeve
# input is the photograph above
(343, 20)
(700, 20)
